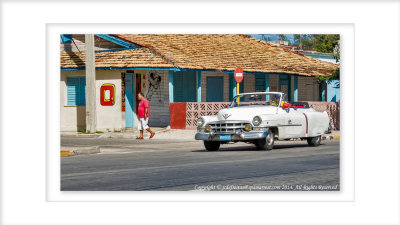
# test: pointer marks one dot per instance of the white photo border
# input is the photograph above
(24, 195)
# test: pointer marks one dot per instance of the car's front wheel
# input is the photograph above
(266, 143)
(212, 145)
(314, 141)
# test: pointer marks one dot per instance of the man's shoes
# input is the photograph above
(151, 133)
(139, 138)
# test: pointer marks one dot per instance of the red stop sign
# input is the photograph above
(238, 74)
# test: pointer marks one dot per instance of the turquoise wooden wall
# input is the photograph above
(184, 86)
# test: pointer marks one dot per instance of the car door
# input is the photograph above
(293, 124)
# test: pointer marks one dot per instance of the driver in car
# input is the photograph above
(275, 102)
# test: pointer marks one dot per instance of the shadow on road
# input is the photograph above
(252, 148)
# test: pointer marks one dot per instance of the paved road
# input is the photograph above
(132, 165)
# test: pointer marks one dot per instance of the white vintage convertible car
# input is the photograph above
(259, 118)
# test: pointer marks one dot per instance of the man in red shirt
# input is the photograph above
(143, 114)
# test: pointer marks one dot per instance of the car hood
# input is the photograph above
(245, 112)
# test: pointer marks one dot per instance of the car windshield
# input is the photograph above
(271, 99)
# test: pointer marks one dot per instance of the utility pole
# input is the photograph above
(91, 117)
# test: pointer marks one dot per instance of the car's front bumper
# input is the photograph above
(253, 135)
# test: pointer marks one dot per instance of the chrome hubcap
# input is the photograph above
(269, 138)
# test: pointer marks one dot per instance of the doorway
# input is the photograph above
(138, 88)
(215, 89)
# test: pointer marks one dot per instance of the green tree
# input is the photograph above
(336, 74)
(297, 40)
(282, 37)
(306, 41)
(317, 42)
(326, 42)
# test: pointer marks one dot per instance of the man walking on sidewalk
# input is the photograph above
(143, 114)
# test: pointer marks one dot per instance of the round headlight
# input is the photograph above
(208, 128)
(257, 121)
(247, 127)
(200, 122)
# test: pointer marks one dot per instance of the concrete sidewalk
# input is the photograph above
(128, 135)
(161, 134)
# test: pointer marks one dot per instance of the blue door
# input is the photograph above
(184, 86)
(215, 89)
(129, 100)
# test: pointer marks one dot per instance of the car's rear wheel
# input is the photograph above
(266, 143)
(314, 141)
(212, 145)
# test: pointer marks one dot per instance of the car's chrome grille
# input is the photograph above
(227, 127)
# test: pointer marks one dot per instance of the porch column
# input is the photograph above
(326, 91)
(233, 85)
(171, 86)
(91, 123)
(267, 86)
(289, 87)
(323, 92)
(198, 86)
(296, 92)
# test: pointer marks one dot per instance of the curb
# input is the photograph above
(121, 135)
(331, 137)
(82, 135)
(323, 138)
(67, 153)
(75, 150)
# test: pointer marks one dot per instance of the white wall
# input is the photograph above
(109, 118)
(72, 117)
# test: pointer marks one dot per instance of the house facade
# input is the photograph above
(176, 68)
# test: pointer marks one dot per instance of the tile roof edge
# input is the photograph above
(151, 48)
(183, 69)
(288, 50)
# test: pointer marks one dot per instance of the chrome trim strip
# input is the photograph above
(229, 121)
(226, 127)
(234, 137)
